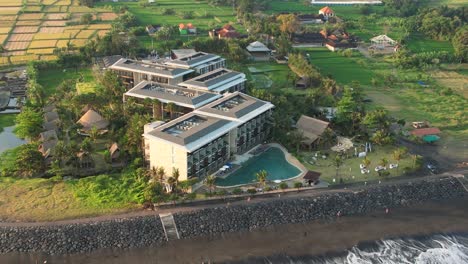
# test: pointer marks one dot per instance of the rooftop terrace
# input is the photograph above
(149, 68)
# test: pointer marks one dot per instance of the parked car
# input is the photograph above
(432, 168)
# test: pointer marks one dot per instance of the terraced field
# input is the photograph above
(34, 29)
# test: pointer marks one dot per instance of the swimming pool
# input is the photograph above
(272, 160)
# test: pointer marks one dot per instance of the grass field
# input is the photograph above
(51, 78)
(203, 13)
(6, 120)
(87, 197)
(350, 170)
(418, 43)
(342, 69)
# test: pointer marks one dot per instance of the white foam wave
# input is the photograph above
(437, 249)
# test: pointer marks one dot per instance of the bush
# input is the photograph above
(297, 185)
(186, 14)
(268, 189)
(190, 196)
(283, 186)
(221, 193)
(168, 11)
(209, 194)
(252, 191)
(237, 191)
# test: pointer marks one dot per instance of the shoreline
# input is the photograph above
(313, 239)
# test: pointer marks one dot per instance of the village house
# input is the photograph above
(326, 12)
(383, 44)
(187, 29)
(258, 51)
(306, 19)
(114, 152)
(338, 40)
(201, 142)
(226, 32)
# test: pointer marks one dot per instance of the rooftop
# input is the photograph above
(236, 106)
(149, 68)
(193, 59)
(426, 131)
(169, 93)
(212, 79)
(192, 130)
(257, 46)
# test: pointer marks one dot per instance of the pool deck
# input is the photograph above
(239, 159)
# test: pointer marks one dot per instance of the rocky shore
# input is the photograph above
(147, 230)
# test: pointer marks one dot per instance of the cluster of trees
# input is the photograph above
(301, 66)
(405, 59)
(163, 188)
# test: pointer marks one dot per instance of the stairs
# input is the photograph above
(463, 181)
(169, 226)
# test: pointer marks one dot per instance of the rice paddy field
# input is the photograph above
(32, 30)
(205, 16)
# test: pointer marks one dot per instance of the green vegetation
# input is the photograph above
(7, 120)
(52, 77)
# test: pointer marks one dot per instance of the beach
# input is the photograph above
(311, 239)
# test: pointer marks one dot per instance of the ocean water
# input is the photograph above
(434, 249)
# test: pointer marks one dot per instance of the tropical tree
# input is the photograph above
(28, 123)
(29, 161)
(460, 43)
(289, 24)
(383, 162)
(171, 107)
(338, 161)
(366, 162)
(175, 176)
(86, 145)
(93, 133)
(262, 177)
(157, 109)
(210, 182)
(172, 183)
(397, 155)
(161, 173)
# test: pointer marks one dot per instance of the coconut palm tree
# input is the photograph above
(157, 109)
(170, 107)
(383, 162)
(338, 161)
(210, 182)
(262, 177)
(175, 176)
(172, 183)
(161, 174)
(366, 162)
(397, 155)
(93, 133)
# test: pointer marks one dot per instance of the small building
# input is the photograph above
(187, 29)
(312, 129)
(84, 160)
(48, 135)
(306, 19)
(47, 148)
(259, 51)
(114, 152)
(326, 12)
(151, 29)
(339, 40)
(307, 40)
(50, 116)
(383, 43)
(90, 120)
(226, 32)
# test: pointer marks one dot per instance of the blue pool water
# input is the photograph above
(272, 160)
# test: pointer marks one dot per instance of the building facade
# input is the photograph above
(201, 142)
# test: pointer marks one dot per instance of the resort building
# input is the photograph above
(133, 72)
(186, 99)
(219, 81)
(201, 142)
(258, 51)
(200, 62)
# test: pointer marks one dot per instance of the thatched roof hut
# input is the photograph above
(92, 119)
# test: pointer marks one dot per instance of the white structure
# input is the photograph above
(383, 41)
(201, 142)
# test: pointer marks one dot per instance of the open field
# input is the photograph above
(203, 14)
(51, 78)
(27, 32)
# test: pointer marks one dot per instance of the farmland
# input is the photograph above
(33, 30)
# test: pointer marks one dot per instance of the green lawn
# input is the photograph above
(51, 78)
(350, 170)
(91, 196)
(342, 69)
(203, 13)
(7, 120)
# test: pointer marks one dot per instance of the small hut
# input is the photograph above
(312, 129)
(48, 135)
(114, 152)
(259, 51)
(92, 119)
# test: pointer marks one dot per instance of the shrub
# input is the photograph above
(186, 14)
(168, 11)
(268, 189)
(297, 185)
(252, 191)
(283, 186)
(190, 196)
(237, 191)
(221, 193)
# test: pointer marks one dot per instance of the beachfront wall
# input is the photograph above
(147, 230)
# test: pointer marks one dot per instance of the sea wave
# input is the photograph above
(435, 249)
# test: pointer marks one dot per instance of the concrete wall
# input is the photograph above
(168, 156)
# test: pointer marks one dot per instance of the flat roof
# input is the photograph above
(194, 59)
(170, 93)
(149, 68)
(236, 106)
(213, 79)
(192, 130)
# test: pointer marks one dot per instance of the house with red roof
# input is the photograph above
(327, 12)
(421, 132)
(186, 29)
(226, 32)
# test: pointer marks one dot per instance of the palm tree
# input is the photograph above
(262, 177)
(161, 173)
(338, 161)
(366, 162)
(157, 113)
(383, 162)
(415, 159)
(175, 176)
(210, 182)
(93, 133)
(170, 107)
(397, 155)
(172, 183)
